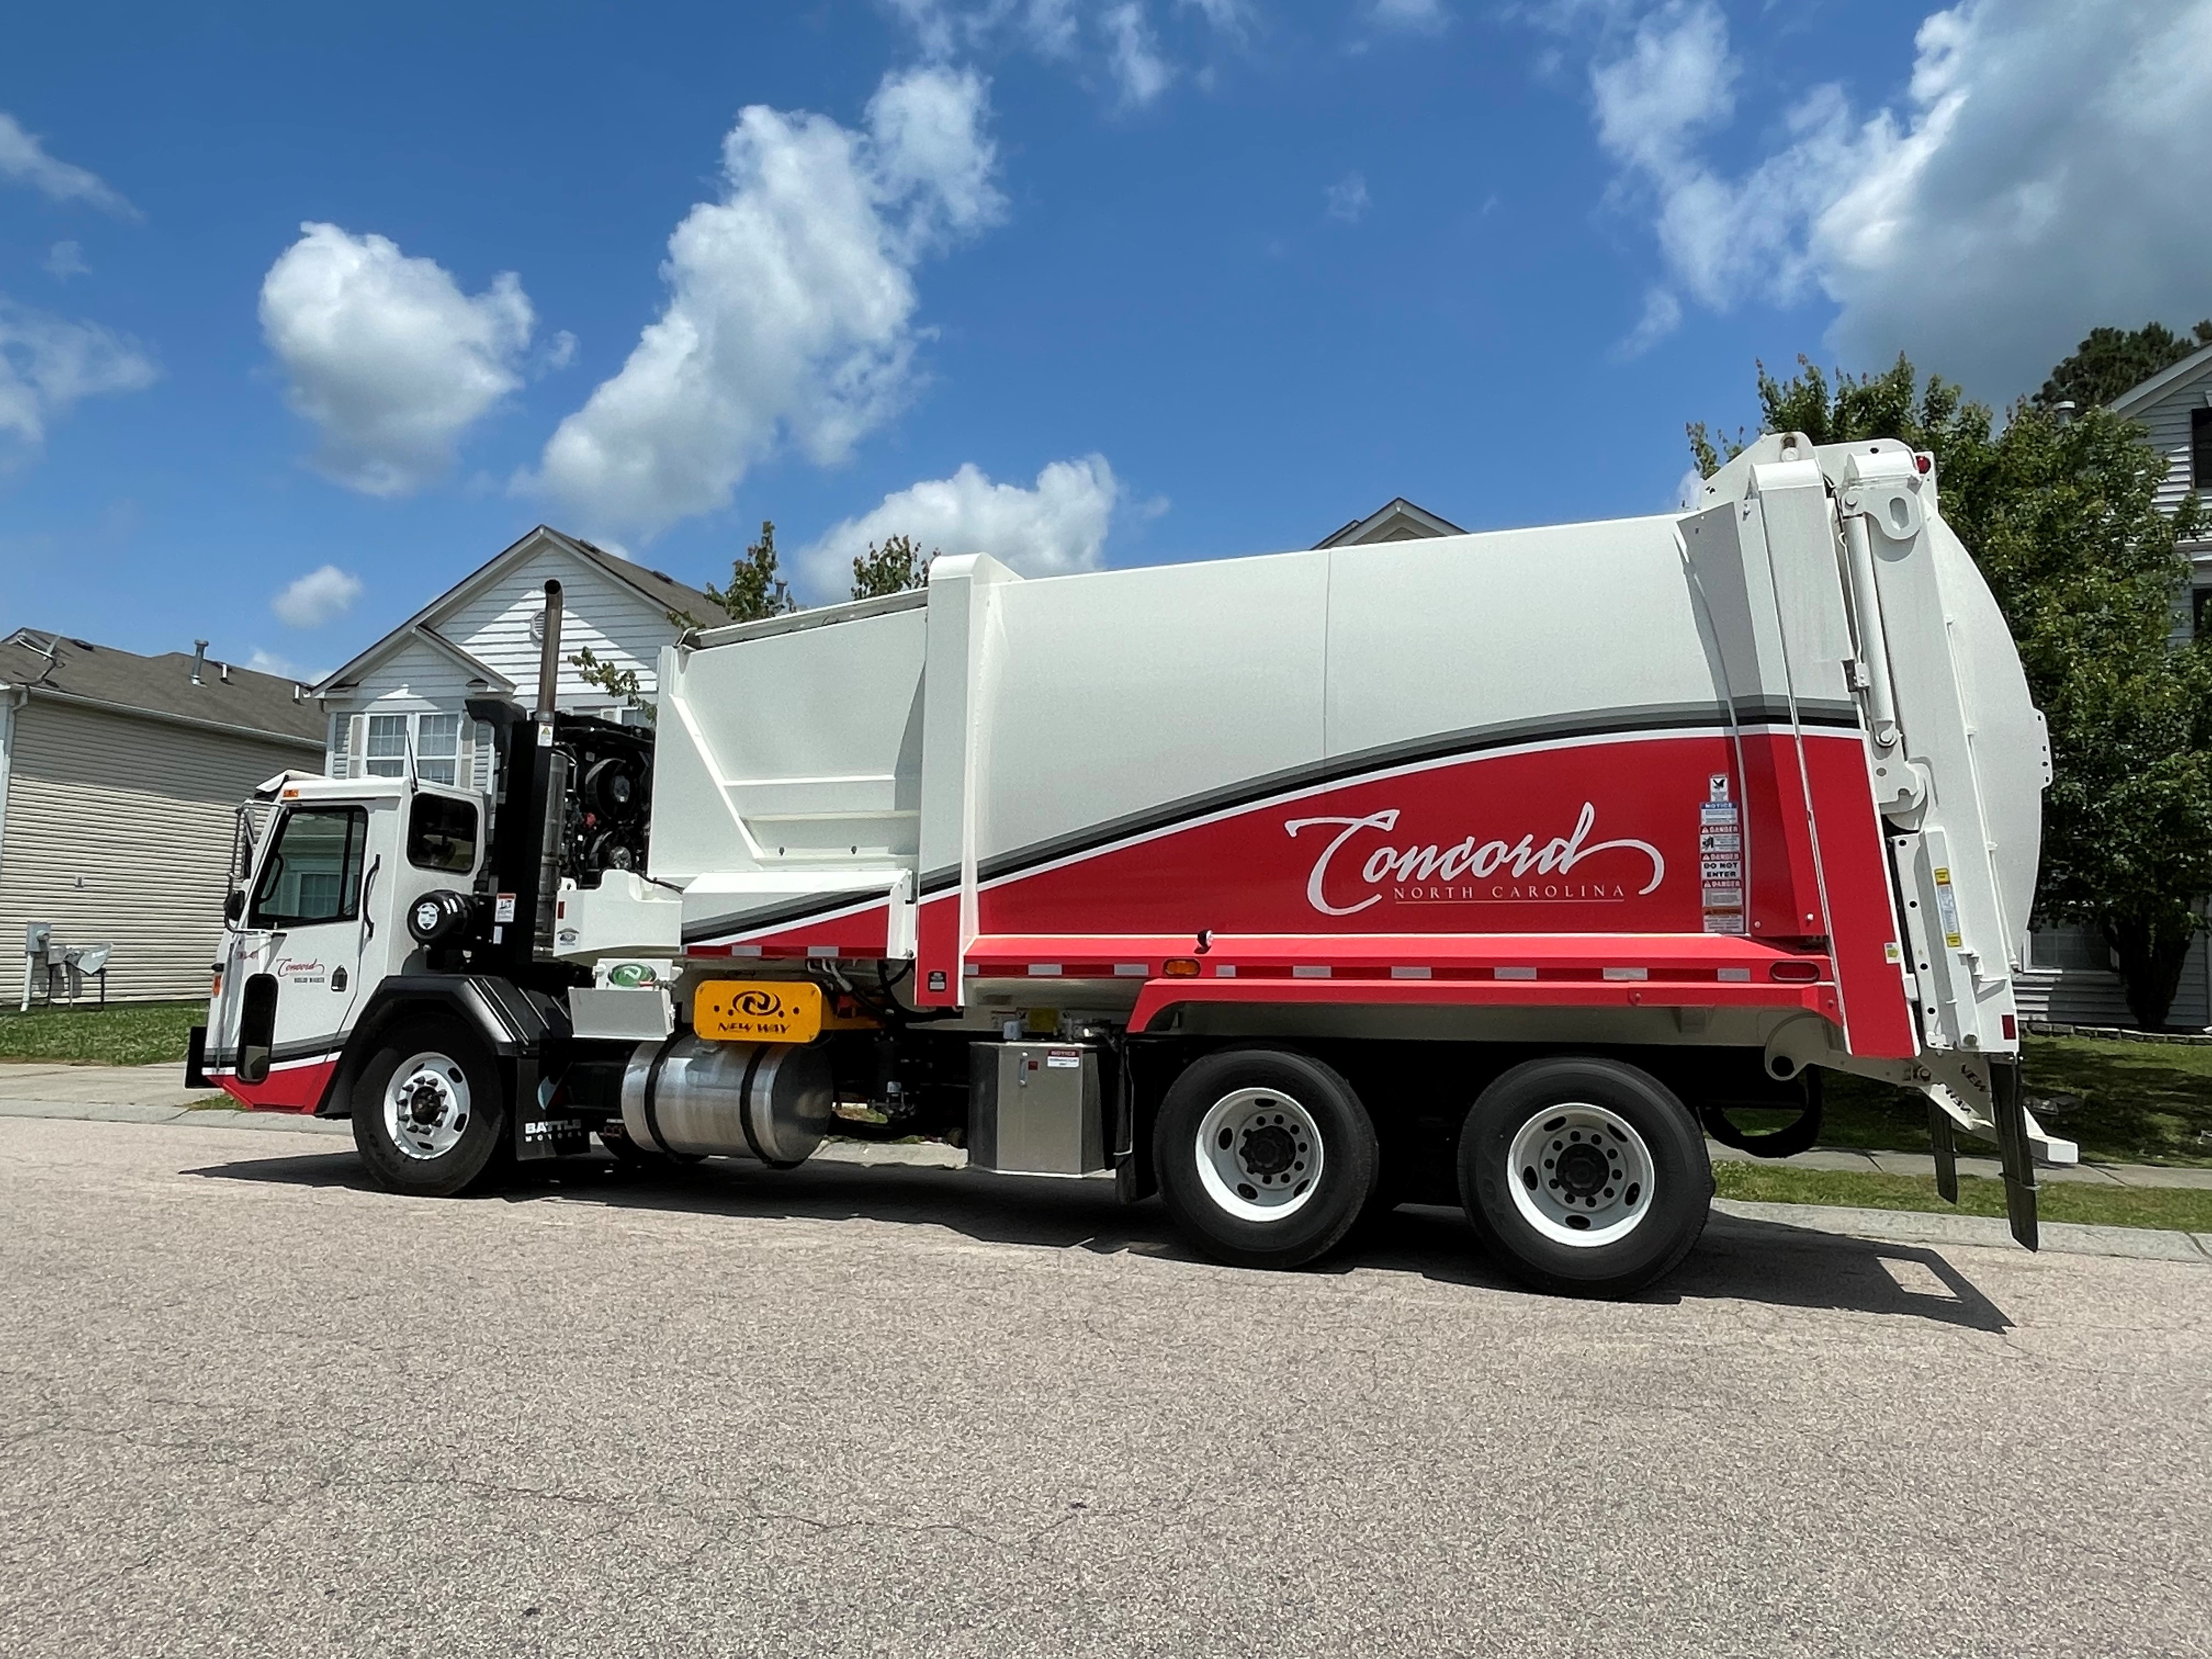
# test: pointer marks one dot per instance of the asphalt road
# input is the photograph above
(250, 1406)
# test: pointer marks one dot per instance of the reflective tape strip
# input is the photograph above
(1736, 973)
(1129, 970)
(817, 950)
(1628, 972)
(1310, 970)
(1225, 970)
(1409, 972)
(1513, 973)
(1044, 970)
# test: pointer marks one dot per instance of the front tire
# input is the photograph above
(1584, 1176)
(429, 1115)
(1265, 1157)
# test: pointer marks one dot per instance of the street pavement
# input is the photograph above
(252, 1407)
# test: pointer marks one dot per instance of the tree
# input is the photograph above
(756, 588)
(2062, 517)
(896, 567)
(616, 682)
(2112, 360)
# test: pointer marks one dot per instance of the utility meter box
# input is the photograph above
(1033, 1108)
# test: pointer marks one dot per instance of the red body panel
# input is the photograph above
(298, 1087)
(1570, 874)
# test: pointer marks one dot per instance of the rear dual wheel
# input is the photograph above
(1584, 1176)
(1265, 1157)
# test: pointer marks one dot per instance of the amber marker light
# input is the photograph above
(1182, 968)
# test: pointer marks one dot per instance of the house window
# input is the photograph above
(2200, 449)
(437, 746)
(2200, 607)
(436, 740)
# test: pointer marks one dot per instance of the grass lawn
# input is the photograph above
(2172, 1208)
(2141, 1103)
(121, 1034)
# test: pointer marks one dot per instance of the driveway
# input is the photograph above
(253, 1408)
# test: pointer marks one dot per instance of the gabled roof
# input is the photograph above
(228, 698)
(1397, 520)
(663, 590)
(2164, 381)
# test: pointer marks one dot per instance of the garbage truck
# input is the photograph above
(1495, 870)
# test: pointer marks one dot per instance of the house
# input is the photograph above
(2068, 975)
(1398, 520)
(120, 782)
(404, 697)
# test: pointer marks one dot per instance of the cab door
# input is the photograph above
(298, 956)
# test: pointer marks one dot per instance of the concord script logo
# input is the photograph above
(1436, 863)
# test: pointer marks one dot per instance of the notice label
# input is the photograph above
(1064, 1060)
(1720, 858)
(502, 908)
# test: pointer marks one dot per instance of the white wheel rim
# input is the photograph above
(426, 1105)
(1580, 1175)
(1259, 1155)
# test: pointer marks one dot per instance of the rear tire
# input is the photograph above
(1265, 1157)
(1584, 1176)
(429, 1114)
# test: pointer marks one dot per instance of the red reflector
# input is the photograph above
(1182, 968)
(2011, 1029)
(1793, 973)
(1924, 462)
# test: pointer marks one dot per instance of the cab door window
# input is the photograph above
(313, 871)
(441, 834)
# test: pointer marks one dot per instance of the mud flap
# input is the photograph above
(1943, 1136)
(542, 1129)
(2009, 1112)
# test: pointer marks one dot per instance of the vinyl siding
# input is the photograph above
(118, 831)
(2095, 996)
(617, 623)
(493, 626)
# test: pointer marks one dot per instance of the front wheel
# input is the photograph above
(428, 1114)
(1265, 1157)
(1585, 1176)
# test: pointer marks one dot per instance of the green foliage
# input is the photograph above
(2112, 360)
(121, 1034)
(616, 682)
(756, 588)
(894, 568)
(2062, 517)
(2174, 1209)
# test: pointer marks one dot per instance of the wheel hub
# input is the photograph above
(1580, 1174)
(1259, 1154)
(426, 1106)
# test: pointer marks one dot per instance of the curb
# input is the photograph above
(1982, 1231)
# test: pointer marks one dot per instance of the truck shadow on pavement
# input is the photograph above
(1737, 1259)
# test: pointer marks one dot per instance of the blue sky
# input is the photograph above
(1079, 283)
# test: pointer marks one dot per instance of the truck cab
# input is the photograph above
(311, 930)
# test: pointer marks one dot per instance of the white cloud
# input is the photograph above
(1056, 527)
(322, 595)
(1662, 315)
(64, 260)
(24, 160)
(1347, 198)
(1134, 56)
(2023, 189)
(386, 354)
(1414, 16)
(791, 304)
(48, 364)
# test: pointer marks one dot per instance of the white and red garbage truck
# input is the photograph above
(1490, 869)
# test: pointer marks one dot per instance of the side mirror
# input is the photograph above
(234, 907)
